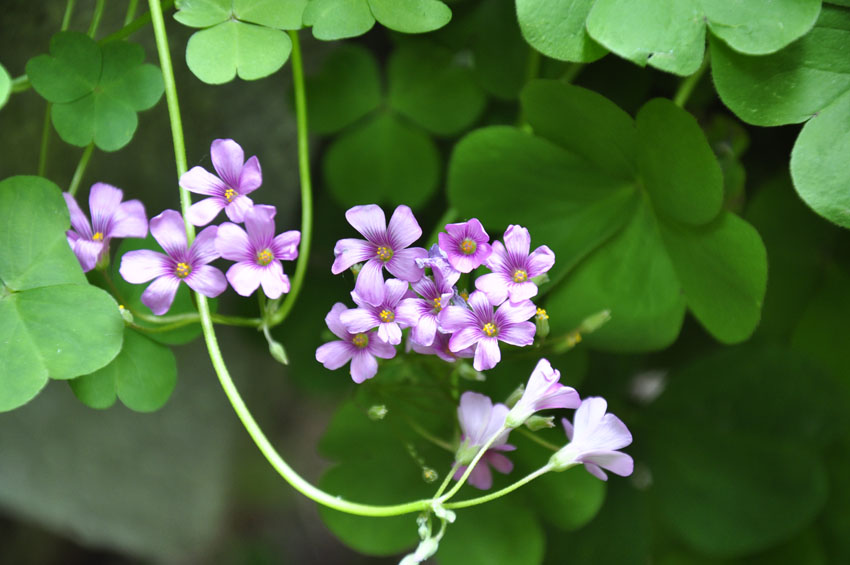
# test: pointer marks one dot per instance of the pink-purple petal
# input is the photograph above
(487, 354)
(169, 231)
(515, 312)
(79, 221)
(227, 158)
(465, 338)
(521, 334)
(159, 295)
(517, 241)
(142, 265)
(403, 264)
(349, 251)
(275, 282)
(473, 414)
(481, 476)
(403, 229)
(203, 249)
(87, 252)
(394, 291)
(519, 292)
(499, 462)
(363, 366)
(207, 280)
(618, 463)
(104, 200)
(244, 277)
(335, 354)
(203, 212)
(201, 181)
(481, 306)
(259, 223)
(370, 221)
(130, 220)
(358, 320)
(494, 286)
(596, 471)
(370, 282)
(390, 333)
(231, 242)
(251, 177)
(238, 207)
(455, 318)
(540, 261)
(425, 330)
(380, 348)
(334, 323)
(285, 245)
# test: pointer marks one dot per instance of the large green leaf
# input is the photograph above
(670, 34)
(217, 54)
(411, 16)
(808, 80)
(382, 160)
(278, 14)
(338, 19)
(96, 91)
(556, 28)
(499, 56)
(428, 86)
(143, 376)
(590, 170)
(346, 88)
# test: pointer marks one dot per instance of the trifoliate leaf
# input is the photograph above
(556, 28)
(278, 14)
(96, 91)
(338, 19)
(143, 376)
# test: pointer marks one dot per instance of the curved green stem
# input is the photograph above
(135, 25)
(447, 480)
(96, 17)
(499, 493)
(539, 441)
(306, 184)
(689, 83)
(481, 451)
(66, 17)
(81, 169)
(251, 426)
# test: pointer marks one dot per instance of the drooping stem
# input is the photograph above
(447, 480)
(689, 83)
(481, 451)
(81, 169)
(96, 17)
(499, 493)
(251, 426)
(306, 184)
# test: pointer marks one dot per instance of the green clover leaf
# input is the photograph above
(632, 209)
(808, 81)
(240, 37)
(52, 323)
(338, 19)
(96, 90)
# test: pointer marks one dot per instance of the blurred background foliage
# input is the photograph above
(742, 451)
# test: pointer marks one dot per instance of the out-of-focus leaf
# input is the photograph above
(500, 59)
(5, 86)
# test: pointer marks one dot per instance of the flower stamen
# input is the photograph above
(438, 304)
(384, 253)
(520, 276)
(230, 194)
(490, 329)
(264, 257)
(387, 316)
(541, 314)
(468, 246)
(360, 340)
(98, 236)
(182, 270)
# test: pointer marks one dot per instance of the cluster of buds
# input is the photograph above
(257, 253)
(443, 319)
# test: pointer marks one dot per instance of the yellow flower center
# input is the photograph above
(230, 194)
(387, 316)
(182, 270)
(490, 329)
(360, 340)
(438, 304)
(468, 247)
(520, 276)
(384, 253)
(98, 236)
(464, 294)
(264, 257)
(541, 314)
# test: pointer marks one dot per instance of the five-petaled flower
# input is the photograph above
(111, 218)
(480, 420)
(513, 267)
(257, 253)
(360, 348)
(485, 327)
(595, 438)
(386, 316)
(466, 245)
(180, 263)
(235, 179)
(436, 294)
(384, 247)
(542, 392)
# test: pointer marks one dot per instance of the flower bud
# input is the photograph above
(429, 475)
(515, 396)
(278, 352)
(540, 280)
(595, 321)
(377, 412)
(355, 268)
(541, 320)
(126, 314)
(535, 423)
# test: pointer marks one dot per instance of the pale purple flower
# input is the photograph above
(542, 392)
(594, 441)
(479, 421)
(513, 267)
(181, 263)
(482, 326)
(110, 218)
(440, 348)
(359, 348)
(235, 179)
(436, 294)
(466, 245)
(257, 253)
(437, 260)
(386, 316)
(384, 247)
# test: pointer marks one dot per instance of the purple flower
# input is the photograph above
(482, 326)
(110, 218)
(384, 246)
(436, 294)
(465, 245)
(513, 267)
(386, 316)
(257, 253)
(235, 179)
(180, 263)
(440, 348)
(437, 260)
(594, 441)
(542, 392)
(360, 348)
(479, 421)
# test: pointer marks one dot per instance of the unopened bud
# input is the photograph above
(377, 412)
(278, 352)
(535, 423)
(541, 320)
(429, 475)
(355, 268)
(126, 314)
(515, 396)
(540, 280)
(594, 321)
(466, 371)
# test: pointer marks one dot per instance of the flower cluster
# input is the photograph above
(444, 320)
(256, 251)
(594, 436)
